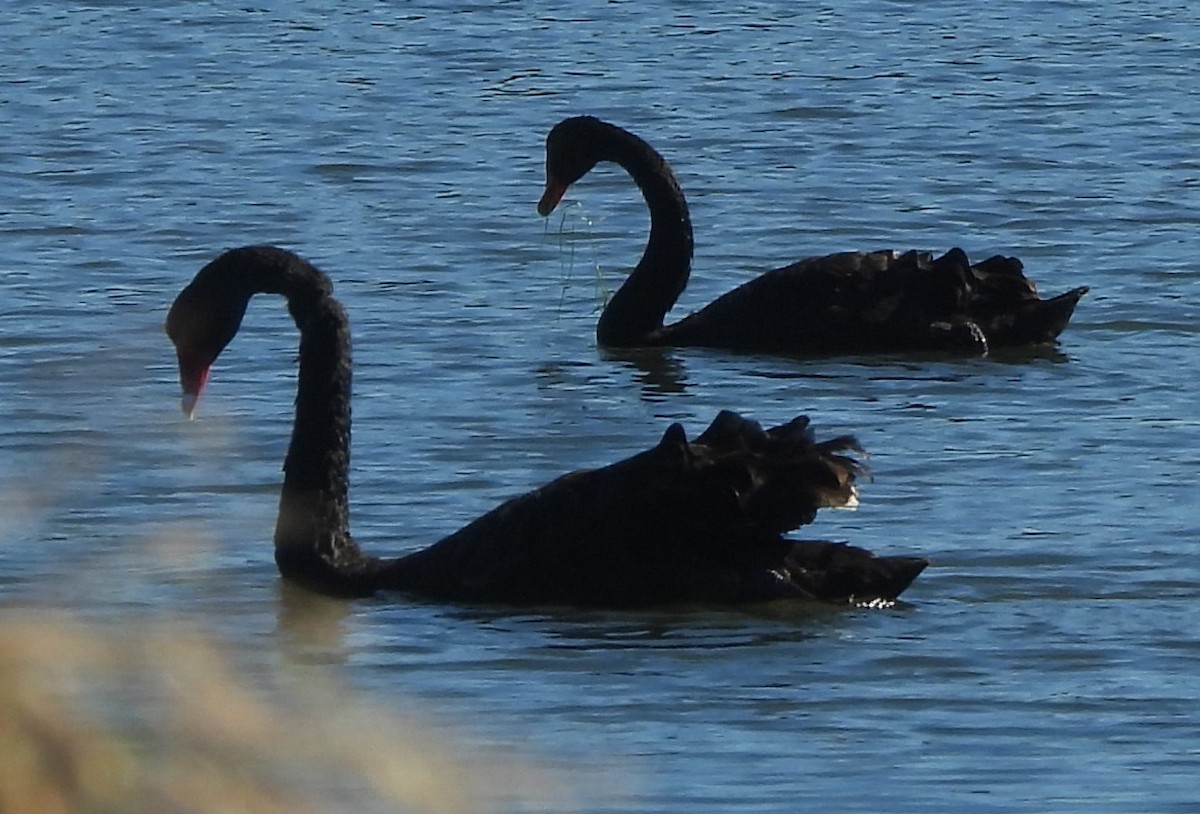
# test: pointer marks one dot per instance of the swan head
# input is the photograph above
(204, 319)
(573, 147)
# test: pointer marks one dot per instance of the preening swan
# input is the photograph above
(684, 521)
(851, 302)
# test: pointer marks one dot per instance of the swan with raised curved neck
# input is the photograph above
(684, 521)
(849, 302)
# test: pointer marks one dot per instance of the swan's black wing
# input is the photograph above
(880, 301)
(700, 521)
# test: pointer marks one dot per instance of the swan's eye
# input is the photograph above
(203, 321)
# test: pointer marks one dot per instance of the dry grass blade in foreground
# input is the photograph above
(157, 721)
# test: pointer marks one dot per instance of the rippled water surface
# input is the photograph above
(1046, 661)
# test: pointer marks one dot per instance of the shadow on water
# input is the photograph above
(658, 371)
(669, 627)
(662, 372)
(316, 627)
(918, 362)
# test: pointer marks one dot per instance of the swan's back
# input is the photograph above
(701, 521)
(868, 301)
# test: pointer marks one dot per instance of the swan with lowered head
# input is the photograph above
(684, 521)
(850, 302)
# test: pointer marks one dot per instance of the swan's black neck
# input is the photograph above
(313, 545)
(312, 533)
(636, 312)
(313, 506)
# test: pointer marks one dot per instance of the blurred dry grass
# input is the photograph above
(158, 720)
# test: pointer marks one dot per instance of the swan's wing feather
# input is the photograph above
(683, 520)
(885, 299)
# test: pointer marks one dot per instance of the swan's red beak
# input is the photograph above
(193, 375)
(555, 189)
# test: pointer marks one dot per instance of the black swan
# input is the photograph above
(699, 521)
(851, 302)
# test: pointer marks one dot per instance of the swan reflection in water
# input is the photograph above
(659, 372)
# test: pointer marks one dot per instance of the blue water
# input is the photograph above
(1046, 661)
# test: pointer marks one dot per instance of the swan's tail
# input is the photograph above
(779, 478)
(1039, 321)
(996, 298)
(1017, 315)
(837, 572)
